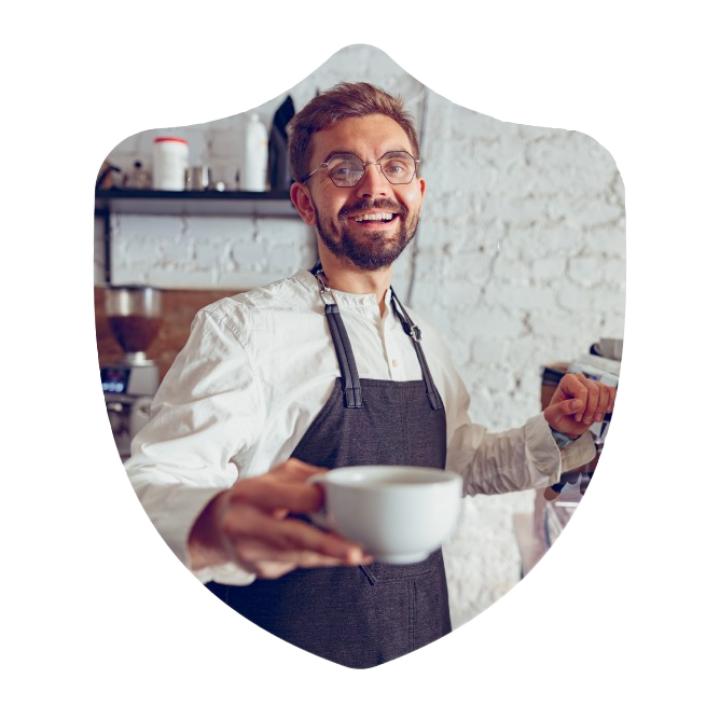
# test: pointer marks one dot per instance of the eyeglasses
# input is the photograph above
(347, 169)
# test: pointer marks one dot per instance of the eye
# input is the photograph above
(345, 169)
(395, 169)
(399, 166)
(342, 171)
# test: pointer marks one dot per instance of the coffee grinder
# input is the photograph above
(129, 386)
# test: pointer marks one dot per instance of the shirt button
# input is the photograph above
(394, 362)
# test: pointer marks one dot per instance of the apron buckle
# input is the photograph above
(325, 291)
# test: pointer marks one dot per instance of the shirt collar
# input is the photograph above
(343, 299)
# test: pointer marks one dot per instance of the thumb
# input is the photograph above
(564, 408)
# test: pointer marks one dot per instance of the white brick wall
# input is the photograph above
(520, 257)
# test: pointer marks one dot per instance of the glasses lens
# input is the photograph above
(398, 167)
(345, 170)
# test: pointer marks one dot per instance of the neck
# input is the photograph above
(349, 278)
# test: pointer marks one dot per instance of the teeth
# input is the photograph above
(375, 217)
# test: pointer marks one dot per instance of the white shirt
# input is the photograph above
(257, 369)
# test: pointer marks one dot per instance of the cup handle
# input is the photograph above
(319, 518)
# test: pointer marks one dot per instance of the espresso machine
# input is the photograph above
(134, 315)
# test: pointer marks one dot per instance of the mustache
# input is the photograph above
(365, 206)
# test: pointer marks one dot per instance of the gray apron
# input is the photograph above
(361, 616)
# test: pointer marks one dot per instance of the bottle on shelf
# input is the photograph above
(253, 171)
(138, 178)
(279, 168)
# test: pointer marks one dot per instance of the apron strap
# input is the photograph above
(350, 376)
(341, 341)
(413, 331)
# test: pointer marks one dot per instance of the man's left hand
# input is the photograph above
(577, 403)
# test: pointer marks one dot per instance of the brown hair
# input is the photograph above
(342, 101)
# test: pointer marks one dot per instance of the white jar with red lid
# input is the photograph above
(170, 161)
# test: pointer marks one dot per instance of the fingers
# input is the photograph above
(606, 399)
(578, 403)
(597, 398)
(282, 563)
(283, 489)
(276, 495)
(265, 545)
(591, 400)
(247, 522)
(258, 535)
(294, 470)
(601, 399)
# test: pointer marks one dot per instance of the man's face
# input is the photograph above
(370, 224)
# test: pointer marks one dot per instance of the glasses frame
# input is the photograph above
(378, 162)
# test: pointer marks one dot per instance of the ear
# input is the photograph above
(422, 183)
(300, 196)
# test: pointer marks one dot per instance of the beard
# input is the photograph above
(374, 250)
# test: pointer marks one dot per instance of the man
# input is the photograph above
(327, 369)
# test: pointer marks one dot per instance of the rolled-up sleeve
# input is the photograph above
(518, 459)
(498, 462)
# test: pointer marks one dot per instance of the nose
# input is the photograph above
(373, 182)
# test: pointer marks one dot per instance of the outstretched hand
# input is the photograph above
(577, 403)
(250, 524)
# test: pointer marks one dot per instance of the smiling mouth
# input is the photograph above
(384, 217)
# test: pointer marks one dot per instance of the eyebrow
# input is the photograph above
(350, 152)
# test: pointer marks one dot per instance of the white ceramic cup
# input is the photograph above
(398, 514)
